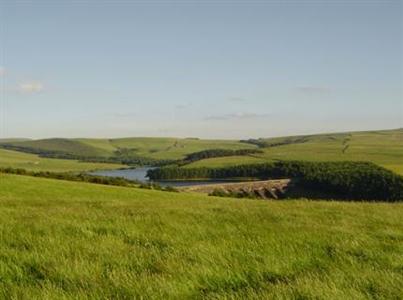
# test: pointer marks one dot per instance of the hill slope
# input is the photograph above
(63, 146)
(74, 240)
(14, 159)
(384, 148)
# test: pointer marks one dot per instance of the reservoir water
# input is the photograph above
(140, 174)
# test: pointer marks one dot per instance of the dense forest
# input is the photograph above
(349, 180)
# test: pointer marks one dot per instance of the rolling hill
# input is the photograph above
(155, 148)
(61, 145)
(65, 240)
(32, 162)
(384, 148)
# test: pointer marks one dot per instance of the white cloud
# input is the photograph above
(31, 87)
(236, 116)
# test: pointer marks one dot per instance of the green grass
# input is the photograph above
(156, 148)
(170, 148)
(12, 140)
(63, 145)
(64, 240)
(384, 148)
(33, 162)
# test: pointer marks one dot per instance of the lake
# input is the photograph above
(140, 174)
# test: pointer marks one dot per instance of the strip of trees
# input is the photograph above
(347, 180)
(83, 177)
(210, 153)
(121, 156)
(263, 143)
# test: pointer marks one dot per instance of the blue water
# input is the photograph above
(131, 174)
(140, 174)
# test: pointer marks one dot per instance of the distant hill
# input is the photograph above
(155, 148)
(33, 162)
(59, 145)
(383, 147)
(13, 140)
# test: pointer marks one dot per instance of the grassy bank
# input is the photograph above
(78, 241)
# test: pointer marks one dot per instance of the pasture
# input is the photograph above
(66, 240)
(155, 148)
(32, 162)
(384, 148)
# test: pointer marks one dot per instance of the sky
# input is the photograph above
(209, 69)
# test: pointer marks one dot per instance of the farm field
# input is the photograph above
(201, 150)
(33, 162)
(156, 148)
(384, 148)
(66, 240)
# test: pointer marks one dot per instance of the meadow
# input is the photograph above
(32, 162)
(148, 147)
(384, 148)
(68, 240)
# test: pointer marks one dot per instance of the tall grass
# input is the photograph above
(69, 240)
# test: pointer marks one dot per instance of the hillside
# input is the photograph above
(155, 148)
(33, 162)
(13, 140)
(64, 240)
(61, 145)
(384, 148)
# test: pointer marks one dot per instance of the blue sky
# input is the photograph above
(218, 69)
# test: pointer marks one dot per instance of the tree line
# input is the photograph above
(262, 143)
(83, 177)
(210, 153)
(121, 156)
(347, 180)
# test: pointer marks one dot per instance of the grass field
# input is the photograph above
(157, 148)
(384, 148)
(65, 240)
(33, 162)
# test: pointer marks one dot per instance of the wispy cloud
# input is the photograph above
(2, 71)
(127, 115)
(237, 99)
(313, 89)
(182, 106)
(236, 116)
(31, 87)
